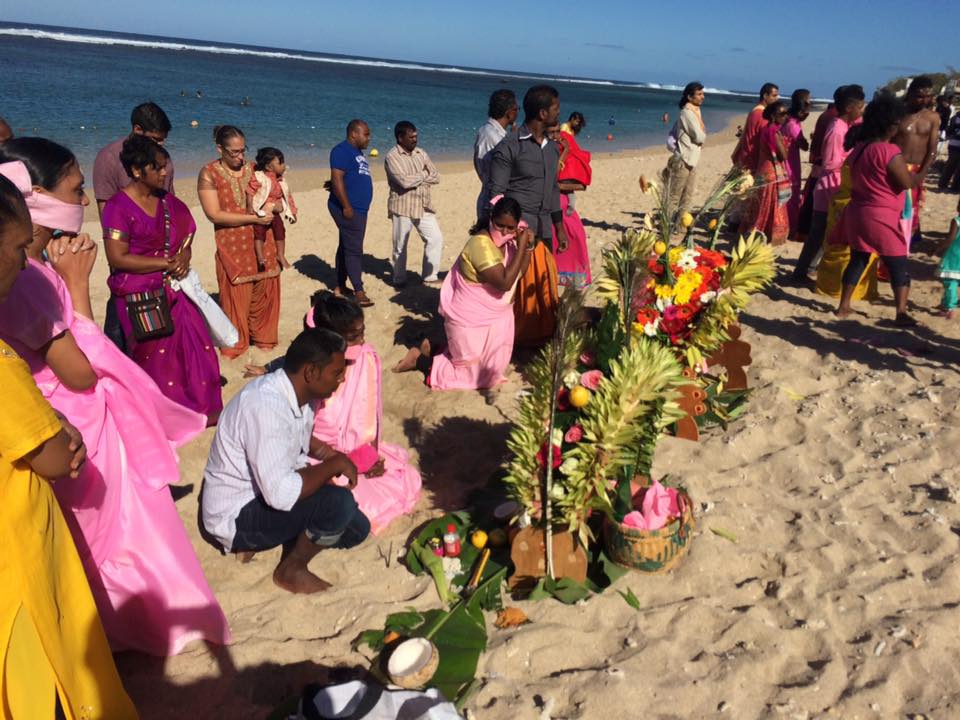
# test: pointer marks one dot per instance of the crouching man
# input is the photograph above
(260, 489)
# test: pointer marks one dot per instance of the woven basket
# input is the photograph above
(652, 551)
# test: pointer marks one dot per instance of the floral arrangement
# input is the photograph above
(609, 407)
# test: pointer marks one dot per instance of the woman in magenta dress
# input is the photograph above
(873, 220)
(147, 235)
(150, 590)
(795, 141)
(769, 203)
(573, 261)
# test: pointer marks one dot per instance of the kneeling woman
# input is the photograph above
(476, 303)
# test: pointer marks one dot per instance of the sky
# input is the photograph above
(736, 45)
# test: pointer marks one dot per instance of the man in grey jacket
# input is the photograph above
(681, 174)
(524, 166)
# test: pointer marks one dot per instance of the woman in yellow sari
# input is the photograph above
(52, 645)
(836, 252)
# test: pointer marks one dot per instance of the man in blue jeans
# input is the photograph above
(260, 489)
(351, 192)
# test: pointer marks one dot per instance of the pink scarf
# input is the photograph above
(45, 210)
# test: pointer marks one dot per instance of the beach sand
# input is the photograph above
(837, 600)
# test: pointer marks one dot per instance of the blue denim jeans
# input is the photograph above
(330, 518)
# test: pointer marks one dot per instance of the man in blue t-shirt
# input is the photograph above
(351, 191)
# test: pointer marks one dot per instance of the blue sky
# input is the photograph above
(734, 44)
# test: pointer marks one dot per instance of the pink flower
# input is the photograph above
(574, 434)
(588, 358)
(591, 379)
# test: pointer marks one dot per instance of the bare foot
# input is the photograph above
(360, 297)
(841, 312)
(285, 264)
(948, 314)
(245, 557)
(294, 577)
(904, 320)
(409, 361)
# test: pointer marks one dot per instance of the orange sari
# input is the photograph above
(536, 298)
(250, 297)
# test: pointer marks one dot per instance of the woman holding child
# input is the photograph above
(249, 295)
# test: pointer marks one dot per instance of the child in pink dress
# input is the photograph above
(267, 193)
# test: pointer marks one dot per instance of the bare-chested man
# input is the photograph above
(918, 136)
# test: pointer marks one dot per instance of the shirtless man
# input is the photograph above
(918, 137)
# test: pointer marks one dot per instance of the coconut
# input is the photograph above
(412, 663)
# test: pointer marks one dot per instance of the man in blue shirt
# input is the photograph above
(351, 192)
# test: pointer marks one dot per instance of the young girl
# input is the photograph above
(268, 193)
(949, 272)
(351, 420)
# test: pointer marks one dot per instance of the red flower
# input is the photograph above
(563, 400)
(647, 315)
(588, 358)
(542, 456)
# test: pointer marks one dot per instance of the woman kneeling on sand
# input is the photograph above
(350, 420)
(476, 302)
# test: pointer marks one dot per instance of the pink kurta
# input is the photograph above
(479, 323)
(350, 421)
(150, 590)
(832, 156)
(872, 219)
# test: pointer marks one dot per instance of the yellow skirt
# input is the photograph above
(830, 274)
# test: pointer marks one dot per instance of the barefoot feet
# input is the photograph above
(409, 361)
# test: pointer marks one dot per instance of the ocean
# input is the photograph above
(78, 87)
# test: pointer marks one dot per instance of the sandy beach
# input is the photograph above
(836, 600)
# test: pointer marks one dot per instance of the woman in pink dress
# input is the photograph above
(476, 302)
(769, 203)
(872, 220)
(150, 590)
(795, 141)
(351, 420)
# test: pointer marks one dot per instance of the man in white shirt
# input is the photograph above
(502, 113)
(259, 488)
(410, 175)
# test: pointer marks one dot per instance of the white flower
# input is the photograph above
(650, 329)
(571, 379)
(688, 259)
(557, 492)
(708, 296)
(557, 437)
(568, 466)
(663, 303)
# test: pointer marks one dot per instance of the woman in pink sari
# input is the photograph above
(476, 302)
(795, 141)
(147, 234)
(150, 590)
(350, 420)
(769, 203)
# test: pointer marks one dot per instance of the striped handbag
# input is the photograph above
(149, 311)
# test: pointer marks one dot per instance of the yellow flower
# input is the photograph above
(687, 283)
(664, 291)
(675, 253)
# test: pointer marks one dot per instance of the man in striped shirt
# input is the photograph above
(410, 175)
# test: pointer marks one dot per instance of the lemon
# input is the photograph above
(660, 247)
(374, 153)
(712, 225)
(579, 396)
(479, 539)
(686, 219)
(498, 538)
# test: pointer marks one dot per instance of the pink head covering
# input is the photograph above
(45, 210)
